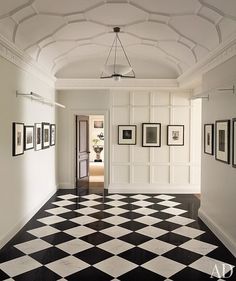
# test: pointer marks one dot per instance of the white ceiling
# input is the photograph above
(163, 38)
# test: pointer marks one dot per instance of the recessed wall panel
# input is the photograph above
(121, 153)
(121, 98)
(141, 98)
(161, 98)
(141, 174)
(161, 174)
(181, 174)
(161, 154)
(121, 116)
(181, 99)
(120, 174)
(140, 154)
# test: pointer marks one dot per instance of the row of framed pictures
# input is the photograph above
(40, 136)
(220, 131)
(151, 134)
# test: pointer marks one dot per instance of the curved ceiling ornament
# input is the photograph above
(157, 23)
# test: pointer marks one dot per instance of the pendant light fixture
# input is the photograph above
(114, 69)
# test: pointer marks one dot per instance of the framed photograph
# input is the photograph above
(46, 135)
(52, 134)
(127, 134)
(98, 124)
(38, 136)
(17, 139)
(175, 135)
(209, 139)
(28, 137)
(234, 144)
(151, 134)
(222, 136)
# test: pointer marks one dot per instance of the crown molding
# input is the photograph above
(13, 54)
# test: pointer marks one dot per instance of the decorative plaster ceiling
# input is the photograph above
(163, 38)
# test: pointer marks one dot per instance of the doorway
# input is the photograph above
(90, 153)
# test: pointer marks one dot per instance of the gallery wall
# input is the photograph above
(28, 180)
(218, 182)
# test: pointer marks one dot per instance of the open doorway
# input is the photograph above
(90, 153)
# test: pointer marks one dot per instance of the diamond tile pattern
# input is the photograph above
(115, 240)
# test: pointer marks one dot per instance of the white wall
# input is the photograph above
(166, 169)
(28, 180)
(218, 182)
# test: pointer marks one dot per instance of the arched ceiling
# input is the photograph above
(163, 38)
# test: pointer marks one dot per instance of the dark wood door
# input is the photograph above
(82, 151)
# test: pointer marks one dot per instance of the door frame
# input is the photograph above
(72, 141)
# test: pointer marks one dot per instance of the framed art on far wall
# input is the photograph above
(234, 144)
(151, 134)
(38, 136)
(17, 139)
(46, 135)
(209, 139)
(222, 141)
(52, 134)
(175, 135)
(127, 134)
(28, 137)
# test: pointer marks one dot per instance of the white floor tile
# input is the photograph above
(43, 231)
(115, 246)
(74, 246)
(148, 220)
(116, 211)
(33, 246)
(142, 203)
(199, 247)
(116, 231)
(157, 247)
(87, 211)
(188, 231)
(140, 197)
(67, 266)
(67, 196)
(115, 220)
(116, 197)
(116, 203)
(164, 197)
(92, 196)
(83, 220)
(212, 267)
(51, 220)
(174, 211)
(79, 231)
(63, 203)
(115, 266)
(89, 203)
(145, 211)
(152, 232)
(20, 265)
(164, 266)
(168, 203)
(57, 211)
(180, 220)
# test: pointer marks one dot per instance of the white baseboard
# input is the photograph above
(66, 185)
(171, 189)
(218, 231)
(6, 238)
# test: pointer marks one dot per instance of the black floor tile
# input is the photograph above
(141, 274)
(135, 238)
(193, 275)
(3, 275)
(173, 238)
(131, 215)
(169, 226)
(98, 225)
(93, 255)
(137, 255)
(9, 253)
(89, 274)
(182, 256)
(96, 238)
(49, 255)
(39, 274)
(133, 225)
(57, 238)
(64, 225)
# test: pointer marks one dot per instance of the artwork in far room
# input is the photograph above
(98, 124)
(29, 137)
(52, 134)
(209, 139)
(126, 134)
(151, 134)
(38, 136)
(46, 135)
(222, 147)
(234, 144)
(18, 139)
(175, 135)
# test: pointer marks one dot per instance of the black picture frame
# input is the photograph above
(17, 138)
(175, 135)
(38, 136)
(46, 135)
(52, 134)
(222, 141)
(28, 137)
(151, 134)
(127, 134)
(234, 142)
(209, 139)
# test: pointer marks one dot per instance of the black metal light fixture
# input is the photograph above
(116, 70)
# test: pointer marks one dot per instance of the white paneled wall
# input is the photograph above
(163, 169)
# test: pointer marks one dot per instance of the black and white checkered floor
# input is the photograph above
(116, 237)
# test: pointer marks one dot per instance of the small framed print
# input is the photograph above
(151, 134)
(222, 145)
(18, 139)
(38, 136)
(175, 135)
(28, 137)
(52, 134)
(234, 144)
(127, 134)
(209, 139)
(46, 135)
(98, 124)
